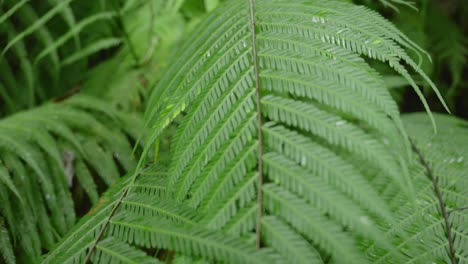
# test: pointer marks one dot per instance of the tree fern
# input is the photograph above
(49, 150)
(284, 132)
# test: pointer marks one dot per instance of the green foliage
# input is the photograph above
(271, 137)
(423, 221)
(81, 144)
(339, 182)
(53, 47)
(45, 40)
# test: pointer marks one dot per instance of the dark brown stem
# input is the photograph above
(114, 210)
(259, 119)
(104, 227)
(67, 94)
(438, 193)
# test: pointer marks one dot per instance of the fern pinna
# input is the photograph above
(288, 149)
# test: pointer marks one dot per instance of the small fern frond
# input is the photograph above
(48, 150)
(436, 228)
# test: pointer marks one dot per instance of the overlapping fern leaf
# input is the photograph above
(287, 140)
(80, 144)
(436, 223)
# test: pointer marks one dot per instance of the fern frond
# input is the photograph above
(334, 103)
(49, 150)
(426, 225)
(283, 131)
(48, 51)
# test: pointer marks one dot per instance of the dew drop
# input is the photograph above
(340, 123)
(244, 44)
(303, 161)
(460, 159)
(364, 219)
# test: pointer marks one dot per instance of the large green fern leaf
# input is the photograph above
(284, 131)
